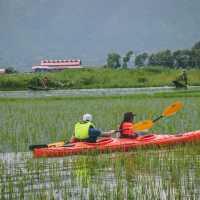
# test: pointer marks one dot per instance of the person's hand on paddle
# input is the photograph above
(112, 132)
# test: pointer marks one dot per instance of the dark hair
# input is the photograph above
(128, 117)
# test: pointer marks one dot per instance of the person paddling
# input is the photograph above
(183, 77)
(126, 127)
(182, 80)
(85, 130)
(44, 82)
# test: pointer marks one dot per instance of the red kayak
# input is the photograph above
(118, 144)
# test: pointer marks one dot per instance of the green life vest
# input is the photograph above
(82, 130)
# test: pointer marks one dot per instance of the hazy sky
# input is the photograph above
(32, 30)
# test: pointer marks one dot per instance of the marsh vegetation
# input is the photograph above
(166, 173)
(100, 78)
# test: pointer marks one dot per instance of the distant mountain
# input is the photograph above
(32, 30)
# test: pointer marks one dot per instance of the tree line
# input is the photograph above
(183, 58)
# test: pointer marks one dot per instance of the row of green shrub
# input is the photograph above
(100, 78)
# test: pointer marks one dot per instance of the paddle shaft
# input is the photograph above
(160, 117)
(35, 146)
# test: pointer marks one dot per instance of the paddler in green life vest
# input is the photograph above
(86, 131)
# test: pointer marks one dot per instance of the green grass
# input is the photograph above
(102, 78)
(165, 173)
(32, 121)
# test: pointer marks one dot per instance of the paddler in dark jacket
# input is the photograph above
(44, 82)
(86, 131)
(183, 77)
(126, 127)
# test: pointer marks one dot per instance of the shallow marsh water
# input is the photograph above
(91, 92)
(147, 174)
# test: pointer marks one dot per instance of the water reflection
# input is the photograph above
(150, 175)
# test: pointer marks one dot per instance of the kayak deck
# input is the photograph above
(118, 144)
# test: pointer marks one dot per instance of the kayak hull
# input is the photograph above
(39, 88)
(118, 144)
(179, 85)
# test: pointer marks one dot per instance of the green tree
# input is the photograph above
(152, 59)
(113, 60)
(126, 58)
(182, 58)
(196, 45)
(163, 58)
(195, 58)
(141, 59)
(10, 70)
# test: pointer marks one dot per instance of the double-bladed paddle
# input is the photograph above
(56, 144)
(170, 110)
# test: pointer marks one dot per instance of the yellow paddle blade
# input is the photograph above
(172, 109)
(143, 125)
(56, 144)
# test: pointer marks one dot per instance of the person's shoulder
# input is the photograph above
(91, 125)
(121, 124)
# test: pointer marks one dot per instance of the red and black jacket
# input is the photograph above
(126, 128)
